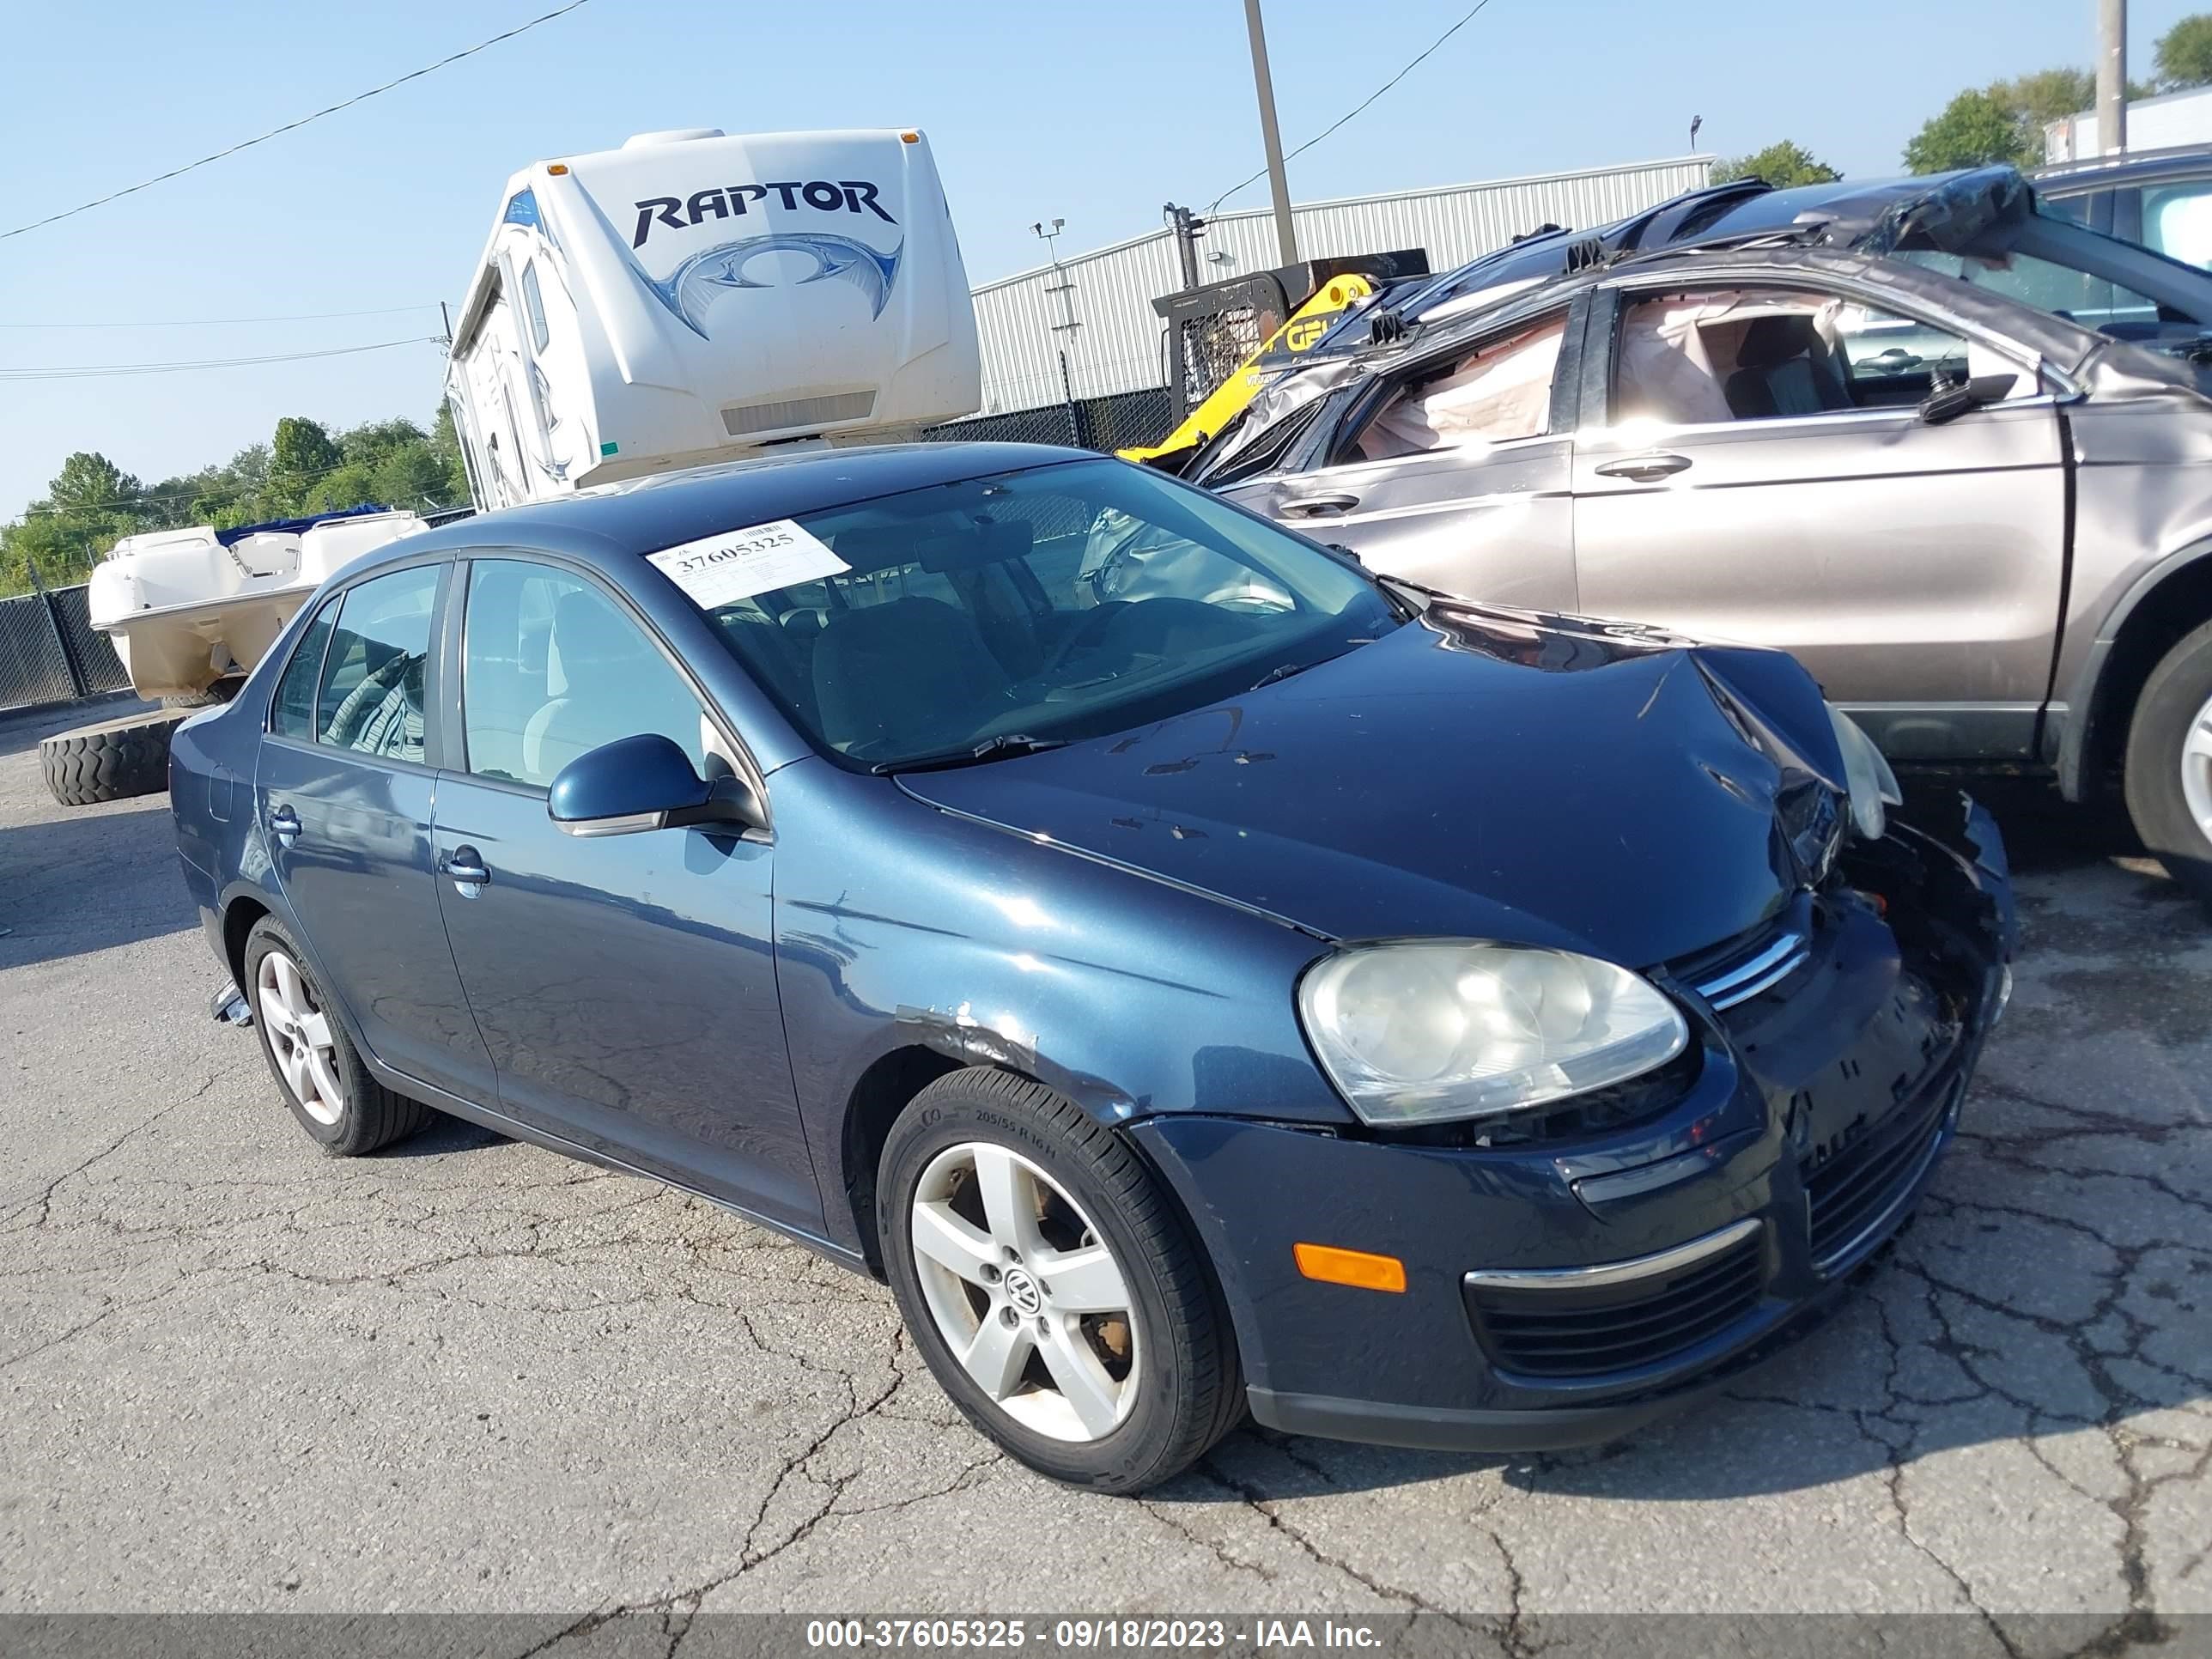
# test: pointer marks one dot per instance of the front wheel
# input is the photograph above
(1054, 1289)
(2169, 763)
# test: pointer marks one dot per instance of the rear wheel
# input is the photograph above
(109, 760)
(2169, 763)
(344, 1109)
(1052, 1287)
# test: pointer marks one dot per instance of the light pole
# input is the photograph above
(2113, 76)
(1286, 238)
(1066, 326)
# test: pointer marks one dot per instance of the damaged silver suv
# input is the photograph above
(1981, 518)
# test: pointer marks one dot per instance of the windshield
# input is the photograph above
(1051, 604)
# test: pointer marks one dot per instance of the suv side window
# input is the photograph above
(1492, 393)
(293, 713)
(2177, 220)
(371, 697)
(1692, 356)
(551, 667)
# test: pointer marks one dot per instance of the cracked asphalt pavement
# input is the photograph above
(470, 1375)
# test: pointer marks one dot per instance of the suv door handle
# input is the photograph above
(1644, 469)
(464, 868)
(1312, 507)
(284, 825)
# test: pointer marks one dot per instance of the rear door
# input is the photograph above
(625, 984)
(1456, 473)
(1754, 467)
(344, 788)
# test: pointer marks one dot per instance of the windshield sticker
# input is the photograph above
(718, 570)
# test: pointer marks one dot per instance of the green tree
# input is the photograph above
(2183, 53)
(89, 483)
(1782, 164)
(1973, 131)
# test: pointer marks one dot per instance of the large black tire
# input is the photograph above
(2179, 689)
(370, 1115)
(109, 760)
(1189, 1388)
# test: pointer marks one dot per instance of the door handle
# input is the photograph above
(1313, 506)
(284, 825)
(464, 868)
(1644, 469)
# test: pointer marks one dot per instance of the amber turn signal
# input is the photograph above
(1354, 1267)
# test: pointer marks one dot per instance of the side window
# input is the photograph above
(1500, 390)
(371, 698)
(2177, 220)
(293, 714)
(1694, 358)
(2091, 300)
(551, 667)
(534, 303)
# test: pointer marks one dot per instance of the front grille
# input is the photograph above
(1850, 1193)
(1754, 961)
(1596, 1321)
(740, 420)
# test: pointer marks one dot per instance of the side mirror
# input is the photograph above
(645, 782)
(1949, 401)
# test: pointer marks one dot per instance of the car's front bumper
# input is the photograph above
(1563, 1290)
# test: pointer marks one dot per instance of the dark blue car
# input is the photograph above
(1305, 993)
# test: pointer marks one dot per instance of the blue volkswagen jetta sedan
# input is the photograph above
(1405, 1019)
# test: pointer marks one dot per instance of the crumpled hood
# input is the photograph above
(1481, 773)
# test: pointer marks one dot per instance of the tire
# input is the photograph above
(109, 760)
(1161, 1379)
(220, 692)
(2174, 709)
(344, 1110)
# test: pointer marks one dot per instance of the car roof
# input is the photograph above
(2134, 167)
(642, 515)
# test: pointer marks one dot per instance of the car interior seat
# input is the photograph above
(910, 673)
(602, 676)
(1785, 366)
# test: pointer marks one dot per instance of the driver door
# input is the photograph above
(1760, 472)
(625, 985)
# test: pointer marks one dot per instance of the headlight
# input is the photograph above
(1424, 1031)
(1868, 773)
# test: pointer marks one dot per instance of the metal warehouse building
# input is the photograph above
(1114, 344)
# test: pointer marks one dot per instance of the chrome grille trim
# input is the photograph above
(1615, 1272)
(1761, 973)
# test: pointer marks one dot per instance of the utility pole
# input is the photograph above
(1188, 228)
(1286, 238)
(2113, 76)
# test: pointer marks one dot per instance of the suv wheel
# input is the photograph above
(2169, 763)
(1051, 1285)
(345, 1109)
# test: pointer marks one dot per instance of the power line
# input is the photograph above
(293, 126)
(1362, 105)
(104, 371)
(221, 322)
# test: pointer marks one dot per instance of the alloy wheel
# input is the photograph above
(1026, 1292)
(2196, 769)
(300, 1037)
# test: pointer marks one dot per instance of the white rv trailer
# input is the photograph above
(692, 296)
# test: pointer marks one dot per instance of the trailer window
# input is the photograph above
(534, 303)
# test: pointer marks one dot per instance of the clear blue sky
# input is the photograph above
(1095, 112)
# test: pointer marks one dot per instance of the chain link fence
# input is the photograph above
(1124, 420)
(50, 652)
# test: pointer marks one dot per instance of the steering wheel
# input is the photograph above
(1089, 633)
